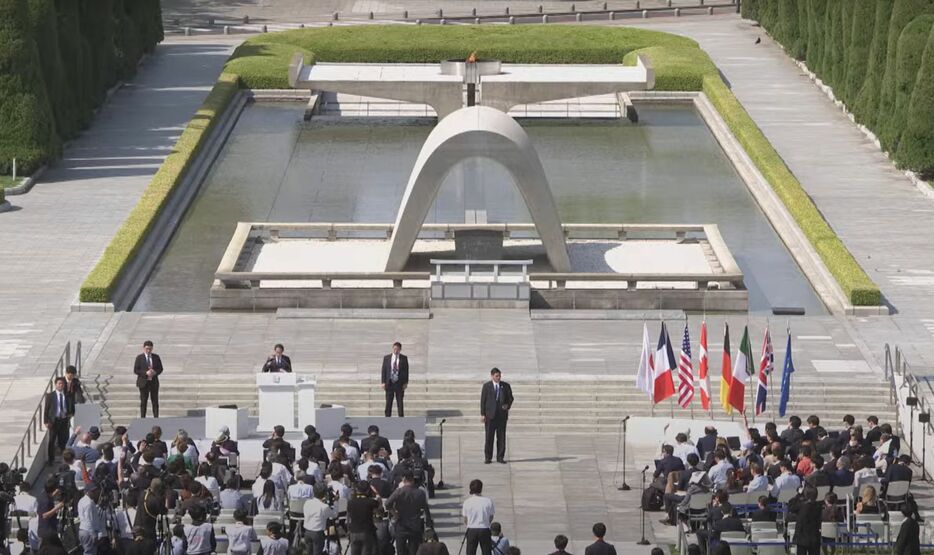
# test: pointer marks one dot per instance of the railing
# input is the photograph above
(467, 273)
(900, 376)
(35, 430)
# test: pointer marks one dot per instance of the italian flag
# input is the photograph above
(726, 376)
(742, 370)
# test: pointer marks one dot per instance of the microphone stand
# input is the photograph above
(440, 484)
(624, 486)
(643, 541)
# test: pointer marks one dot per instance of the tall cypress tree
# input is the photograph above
(916, 147)
(866, 107)
(862, 27)
(27, 128)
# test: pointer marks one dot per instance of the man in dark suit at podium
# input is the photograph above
(278, 362)
(495, 401)
(395, 378)
(147, 368)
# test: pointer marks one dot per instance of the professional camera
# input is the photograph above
(10, 478)
(66, 485)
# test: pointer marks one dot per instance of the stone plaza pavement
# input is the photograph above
(59, 229)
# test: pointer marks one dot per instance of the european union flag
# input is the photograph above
(786, 378)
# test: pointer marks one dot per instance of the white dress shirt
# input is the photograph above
(718, 473)
(785, 481)
(300, 490)
(317, 514)
(478, 511)
(682, 450)
(90, 516)
(758, 483)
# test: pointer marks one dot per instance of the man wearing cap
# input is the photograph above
(395, 377)
(148, 367)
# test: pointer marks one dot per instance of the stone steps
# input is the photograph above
(579, 405)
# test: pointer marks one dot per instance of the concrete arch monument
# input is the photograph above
(484, 132)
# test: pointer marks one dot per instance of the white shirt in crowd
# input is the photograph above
(78, 468)
(274, 547)
(317, 514)
(281, 477)
(257, 488)
(199, 538)
(90, 516)
(340, 489)
(478, 511)
(682, 450)
(239, 538)
(364, 468)
(785, 480)
(210, 483)
(26, 502)
(718, 473)
(758, 483)
(301, 490)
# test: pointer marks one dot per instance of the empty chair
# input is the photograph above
(870, 528)
(764, 535)
(822, 492)
(829, 530)
(771, 549)
(697, 509)
(895, 495)
(762, 526)
(738, 536)
(786, 495)
(738, 546)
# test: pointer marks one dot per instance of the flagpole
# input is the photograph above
(651, 401)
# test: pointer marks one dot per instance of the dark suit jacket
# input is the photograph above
(488, 405)
(667, 464)
(872, 435)
(600, 547)
(898, 473)
(49, 409)
(74, 390)
(432, 548)
(284, 365)
(908, 542)
(706, 445)
(818, 478)
(140, 368)
(403, 369)
(379, 441)
(807, 527)
(792, 436)
(762, 515)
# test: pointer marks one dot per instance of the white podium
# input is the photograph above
(276, 400)
(306, 385)
(236, 420)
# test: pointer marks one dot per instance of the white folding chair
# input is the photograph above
(738, 546)
(771, 549)
(697, 508)
(894, 525)
(822, 492)
(896, 495)
(786, 495)
(764, 535)
(762, 527)
(872, 528)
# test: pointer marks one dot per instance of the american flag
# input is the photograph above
(685, 372)
(766, 365)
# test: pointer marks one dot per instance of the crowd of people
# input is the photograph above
(800, 477)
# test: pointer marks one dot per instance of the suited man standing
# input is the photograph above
(395, 378)
(277, 361)
(495, 401)
(147, 368)
(58, 409)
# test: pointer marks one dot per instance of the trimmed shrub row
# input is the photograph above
(262, 61)
(100, 283)
(57, 60)
(874, 54)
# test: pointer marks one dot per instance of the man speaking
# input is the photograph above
(395, 377)
(495, 402)
(147, 368)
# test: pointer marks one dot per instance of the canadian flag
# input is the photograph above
(664, 366)
(704, 371)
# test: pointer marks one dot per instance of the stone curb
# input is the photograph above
(27, 183)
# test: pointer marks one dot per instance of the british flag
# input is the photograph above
(766, 365)
(685, 372)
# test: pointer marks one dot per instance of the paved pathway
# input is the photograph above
(880, 215)
(58, 230)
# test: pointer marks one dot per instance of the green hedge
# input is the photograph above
(99, 284)
(79, 49)
(261, 62)
(858, 287)
(870, 52)
(916, 148)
